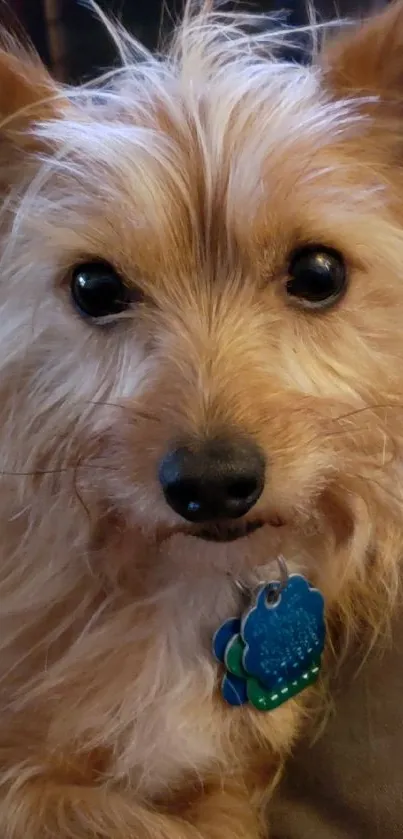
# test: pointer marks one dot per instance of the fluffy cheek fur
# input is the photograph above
(197, 193)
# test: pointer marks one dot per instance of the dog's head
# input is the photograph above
(202, 294)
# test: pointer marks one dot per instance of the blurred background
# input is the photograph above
(74, 45)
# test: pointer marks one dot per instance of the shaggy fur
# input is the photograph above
(196, 176)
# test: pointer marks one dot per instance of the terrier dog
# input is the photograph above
(201, 369)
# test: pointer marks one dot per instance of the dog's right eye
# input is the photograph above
(317, 277)
(98, 290)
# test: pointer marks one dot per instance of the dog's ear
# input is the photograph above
(27, 93)
(368, 59)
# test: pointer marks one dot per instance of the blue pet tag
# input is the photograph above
(274, 651)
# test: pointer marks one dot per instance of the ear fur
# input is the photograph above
(28, 94)
(368, 59)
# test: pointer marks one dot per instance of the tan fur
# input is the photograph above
(196, 176)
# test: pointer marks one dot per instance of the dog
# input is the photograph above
(201, 370)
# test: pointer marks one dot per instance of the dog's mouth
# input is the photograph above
(223, 532)
(227, 533)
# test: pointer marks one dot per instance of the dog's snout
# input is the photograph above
(213, 481)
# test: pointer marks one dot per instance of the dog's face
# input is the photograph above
(202, 294)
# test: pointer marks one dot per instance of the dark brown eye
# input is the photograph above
(317, 277)
(98, 290)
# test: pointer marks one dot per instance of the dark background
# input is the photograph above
(73, 43)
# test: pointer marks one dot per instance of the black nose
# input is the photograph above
(216, 480)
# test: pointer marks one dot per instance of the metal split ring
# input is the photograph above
(282, 583)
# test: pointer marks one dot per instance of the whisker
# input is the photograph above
(77, 491)
(38, 472)
(376, 407)
(134, 412)
(35, 473)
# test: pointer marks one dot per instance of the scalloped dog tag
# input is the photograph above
(274, 651)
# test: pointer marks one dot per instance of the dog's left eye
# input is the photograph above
(98, 290)
(317, 277)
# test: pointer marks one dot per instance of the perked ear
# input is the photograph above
(368, 59)
(27, 92)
